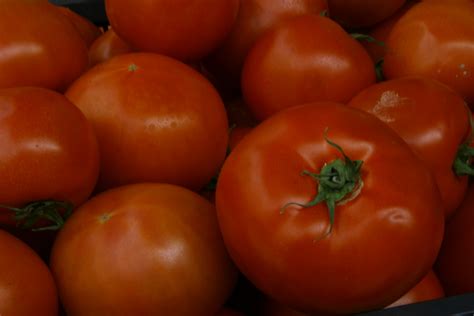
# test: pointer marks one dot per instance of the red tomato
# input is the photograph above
(456, 258)
(432, 119)
(156, 120)
(435, 39)
(145, 249)
(48, 150)
(362, 13)
(183, 29)
(255, 18)
(308, 58)
(293, 253)
(428, 289)
(39, 46)
(89, 32)
(27, 284)
(107, 46)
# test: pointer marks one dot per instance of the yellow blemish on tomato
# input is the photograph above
(104, 217)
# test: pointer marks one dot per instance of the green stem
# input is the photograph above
(463, 163)
(367, 38)
(28, 216)
(338, 182)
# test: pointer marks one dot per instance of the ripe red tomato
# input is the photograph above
(88, 30)
(48, 150)
(432, 119)
(254, 19)
(362, 13)
(39, 46)
(156, 120)
(305, 59)
(435, 39)
(145, 249)
(183, 29)
(428, 289)
(293, 253)
(27, 284)
(107, 46)
(456, 258)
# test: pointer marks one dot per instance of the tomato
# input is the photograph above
(362, 13)
(308, 58)
(156, 120)
(254, 19)
(48, 150)
(183, 29)
(107, 46)
(435, 39)
(456, 258)
(432, 119)
(380, 240)
(27, 284)
(39, 46)
(428, 289)
(86, 28)
(144, 249)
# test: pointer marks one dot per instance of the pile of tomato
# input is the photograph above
(235, 157)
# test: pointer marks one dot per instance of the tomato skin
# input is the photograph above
(285, 256)
(27, 284)
(323, 64)
(105, 47)
(456, 258)
(431, 118)
(145, 249)
(435, 39)
(428, 289)
(156, 119)
(255, 17)
(88, 31)
(44, 49)
(362, 13)
(187, 29)
(48, 150)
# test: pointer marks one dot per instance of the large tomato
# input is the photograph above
(362, 13)
(433, 120)
(39, 46)
(255, 18)
(305, 59)
(456, 258)
(105, 47)
(385, 221)
(27, 284)
(435, 39)
(144, 249)
(156, 120)
(86, 28)
(48, 151)
(183, 29)
(428, 289)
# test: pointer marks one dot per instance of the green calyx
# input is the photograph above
(28, 216)
(338, 183)
(367, 38)
(463, 163)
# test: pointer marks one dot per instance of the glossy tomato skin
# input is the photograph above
(88, 30)
(27, 284)
(105, 47)
(184, 29)
(362, 13)
(156, 119)
(255, 17)
(456, 258)
(435, 39)
(305, 59)
(43, 49)
(144, 249)
(48, 150)
(432, 119)
(428, 289)
(362, 264)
